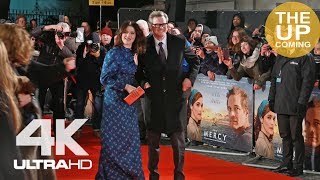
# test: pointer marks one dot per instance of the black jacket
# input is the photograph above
(50, 53)
(166, 94)
(296, 84)
(211, 63)
(89, 68)
(317, 60)
(42, 75)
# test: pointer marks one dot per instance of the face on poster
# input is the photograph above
(268, 142)
(311, 133)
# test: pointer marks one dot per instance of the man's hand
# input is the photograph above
(96, 54)
(146, 85)
(69, 63)
(186, 84)
(24, 99)
(60, 42)
(53, 27)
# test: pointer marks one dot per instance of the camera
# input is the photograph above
(92, 47)
(61, 35)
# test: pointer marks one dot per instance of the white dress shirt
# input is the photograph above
(164, 45)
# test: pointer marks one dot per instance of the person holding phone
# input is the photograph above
(210, 64)
(250, 64)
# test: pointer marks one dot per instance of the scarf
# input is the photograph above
(250, 61)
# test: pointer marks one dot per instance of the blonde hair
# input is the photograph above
(8, 82)
(17, 42)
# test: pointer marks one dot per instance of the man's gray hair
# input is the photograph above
(65, 26)
(142, 22)
(157, 14)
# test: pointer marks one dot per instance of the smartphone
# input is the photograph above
(61, 18)
(225, 53)
(80, 35)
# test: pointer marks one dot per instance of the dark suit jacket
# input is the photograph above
(165, 95)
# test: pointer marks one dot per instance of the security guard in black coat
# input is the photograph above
(292, 81)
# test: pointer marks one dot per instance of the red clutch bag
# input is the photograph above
(134, 95)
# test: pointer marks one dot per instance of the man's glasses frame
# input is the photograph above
(160, 25)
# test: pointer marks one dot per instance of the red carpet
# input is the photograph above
(196, 166)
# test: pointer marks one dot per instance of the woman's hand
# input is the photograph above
(211, 75)
(129, 88)
(256, 87)
(135, 58)
(228, 63)
(24, 99)
(200, 53)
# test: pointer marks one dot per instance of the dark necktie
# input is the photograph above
(162, 55)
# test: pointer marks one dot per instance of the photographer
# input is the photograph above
(53, 51)
(90, 58)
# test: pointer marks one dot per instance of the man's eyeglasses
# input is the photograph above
(160, 25)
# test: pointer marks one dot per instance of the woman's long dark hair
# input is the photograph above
(251, 43)
(242, 21)
(139, 44)
(235, 48)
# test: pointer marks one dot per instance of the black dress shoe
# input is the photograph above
(295, 172)
(282, 169)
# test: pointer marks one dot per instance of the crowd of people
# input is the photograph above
(162, 59)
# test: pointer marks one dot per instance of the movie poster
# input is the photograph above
(268, 124)
(267, 139)
(226, 114)
(311, 132)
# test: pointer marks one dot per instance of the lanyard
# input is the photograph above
(283, 66)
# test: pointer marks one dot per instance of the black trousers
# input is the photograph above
(178, 146)
(141, 118)
(290, 128)
(57, 105)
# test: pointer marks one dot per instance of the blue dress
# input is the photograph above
(120, 156)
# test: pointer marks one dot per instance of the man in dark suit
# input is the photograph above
(161, 75)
